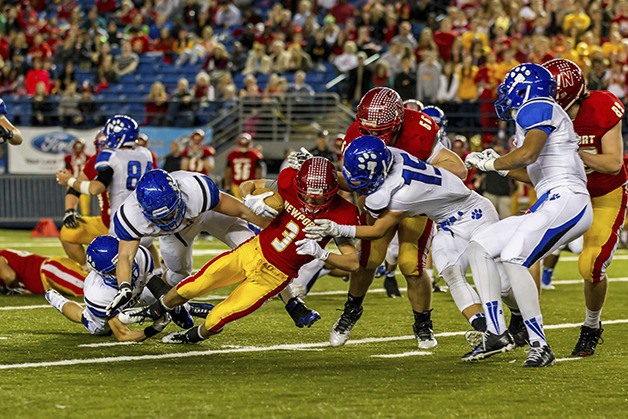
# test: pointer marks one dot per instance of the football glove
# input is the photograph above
(71, 218)
(124, 295)
(256, 204)
(311, 248)
(5, 134)
(324, 228)
(492, 155)
(473, 159)
(161, 323)
(297, 158)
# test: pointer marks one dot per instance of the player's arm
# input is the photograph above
(450, 161)
(525, 155)
(229, 205)
(7, 274)
(209, 164)
(247, 187)
(381, 225)
(127, 249)
(124, 334)
(347, 260)
(9, 132)
(521, 175)
(87, 187)
(610, 160)
(228, 173)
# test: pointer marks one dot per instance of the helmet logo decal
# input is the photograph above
(367, 161)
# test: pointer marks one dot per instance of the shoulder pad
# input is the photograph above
(608, 108)
(103, 159)
(535, 113)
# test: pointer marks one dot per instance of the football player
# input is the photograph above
(101, 288)
(439, 117)
(198, 157)
(243, 163)
(546, 147)
(23, 272)
(381, 113)
(264, 265)
(597, 119)
(8, 132)
(74, 163)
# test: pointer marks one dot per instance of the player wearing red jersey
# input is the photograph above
(198, 157)
(243, 163)
(23, 271)
(381, 113)
(597, 119)
(265, 264)
(77, 230)
(74, 163)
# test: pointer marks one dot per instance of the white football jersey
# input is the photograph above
(418, 188)
(559, 163)
(199, 193)
(128, 165)
(98, 293)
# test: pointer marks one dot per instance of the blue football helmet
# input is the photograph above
(161, 200)
(438, 116)
(102, 256)
(121, 131)
(367, 161)
(521, 84)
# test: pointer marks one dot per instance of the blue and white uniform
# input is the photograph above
(3, 107)
(200, 195)
(563, 210)
(99, 291)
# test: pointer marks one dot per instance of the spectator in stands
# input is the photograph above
(405, 35)
(39, 48)
(87, 106)
(318, 50)
(393, 57)
(127, 61)
(156, 105)
(114, 37)
(41, 106)
(426, 45)
(9, 79)
(467, 90)
(166, 44)
(203, 91)
(238, 57)
(342, 11)
(192, 53)
(296, 59)
(251, 88)
(69, 112)
(428, 78)
(381, 75)
(300, 86)
(448, 88)
(68, 76)
(181, 109)
(198, 157)
(217, 63)
(322, 147)
(224, 84)
(172, 161)
(365, 42)
(359, 80)
(348, 60)
(599, 77)
(444, 39)
(37, 75)
(106, 72)
(405, 81)
(257, 62)
(227, 15)
(277, 56)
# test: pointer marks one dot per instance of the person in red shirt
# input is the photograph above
(198, 157)
(35, 75)
(597, 116)
(74, 163)
(266, 264)
(381, 113)
(24, 272)
(243, 163)
(444, 38)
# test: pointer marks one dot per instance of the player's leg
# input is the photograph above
(70, 309)
(84, 204)
(415, 236)
(73, 239)
(600, 243)
(64, 275)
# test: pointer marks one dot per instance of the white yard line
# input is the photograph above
(105, 344)
(246, 349)
(568, 359)
(402, 355)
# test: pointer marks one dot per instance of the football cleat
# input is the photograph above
(391, 287)
(539, 356)
(425, 335)
(342, 328)
(181, 317)
(518, 331)
(491, 345)
(380, 271)
(200, 309)
(589, 338)
(137, 315)
(179, 337)
(302, 316)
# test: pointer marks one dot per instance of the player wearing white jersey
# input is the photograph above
(547, 147)
(399, 185)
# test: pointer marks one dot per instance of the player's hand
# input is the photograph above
(491, 155)
(312, 248)
(297, 158)
(322, 229)
(63, 176)
(71, 218)
(473, 159)
(161, 323)
(125, 292)
(5, 134)
(256, 204)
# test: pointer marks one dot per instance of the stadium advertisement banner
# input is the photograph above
(43, 149)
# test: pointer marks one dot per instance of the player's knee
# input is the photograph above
(586, 266)
(409, 266)
(375, 258)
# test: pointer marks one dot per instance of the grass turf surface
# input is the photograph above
(263, 366)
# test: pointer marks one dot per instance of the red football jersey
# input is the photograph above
(197, 157)
(27, 268)
(243, 164)
(417, 135)
(278, 239)
(103, 199)
(600, 112)
(75, 162)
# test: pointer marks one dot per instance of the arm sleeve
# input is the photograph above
(105, 176)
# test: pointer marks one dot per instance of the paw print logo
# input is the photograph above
(476, 214)
(115, 125)
(555, 196)
(367, 161)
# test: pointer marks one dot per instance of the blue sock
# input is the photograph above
(546, 277)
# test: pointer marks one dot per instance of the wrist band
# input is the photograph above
(324, 256)
(490, 165)
(71, 182)
(84, 187)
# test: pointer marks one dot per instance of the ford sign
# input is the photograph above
(57, 142)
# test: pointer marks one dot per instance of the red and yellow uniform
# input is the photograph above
(598, 113)
(265, 264)
(74, 163)
(39, 273)
(243, 164)
(92, 226)
(197, 157)
(417, 136)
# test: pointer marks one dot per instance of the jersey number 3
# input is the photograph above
(415, 170)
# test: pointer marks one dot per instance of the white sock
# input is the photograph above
(527, 296)
(593, 318)
(56, 300)
(488, 284)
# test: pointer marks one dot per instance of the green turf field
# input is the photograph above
(263, 366)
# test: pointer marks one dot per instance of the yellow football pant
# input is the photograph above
(89, 228)
(64, 275)
(259, 281)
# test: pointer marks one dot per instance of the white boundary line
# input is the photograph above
(105, 344)
(403, 354)
(246, 349)
(575, 358)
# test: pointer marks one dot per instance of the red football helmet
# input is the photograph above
(316, 184)
(380, 113)
(571, 85)
(415, 105)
